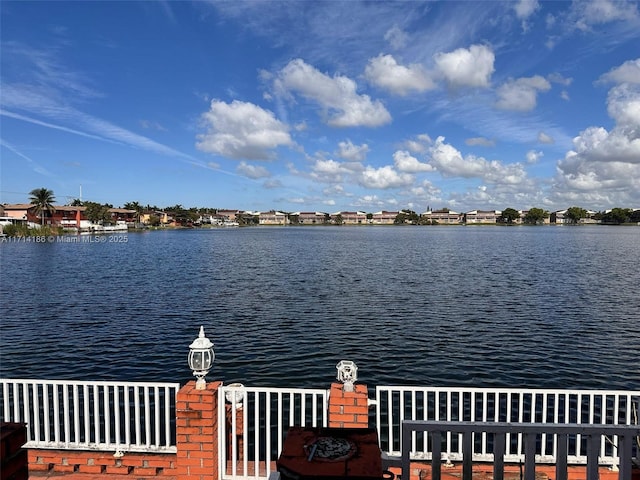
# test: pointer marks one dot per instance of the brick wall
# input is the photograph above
(70, 461)
(197, 432)
(348, 409)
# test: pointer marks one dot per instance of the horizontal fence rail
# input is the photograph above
(105, 416)
(253, 422)
(498, 432)
(395, 404)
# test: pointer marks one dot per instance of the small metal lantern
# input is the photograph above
(201, 358)
(347, 374)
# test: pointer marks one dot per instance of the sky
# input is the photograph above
(322, 106)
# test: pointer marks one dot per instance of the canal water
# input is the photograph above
(538, 307)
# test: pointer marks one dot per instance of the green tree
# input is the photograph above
(635, 216)
(134, 206)
(154, 220)
(535, 216)
(338, 220)
(574, 214)
(617, 216)
(43, 200)
(509, 215)
(97, 212)
(406, 216)
(76, 202)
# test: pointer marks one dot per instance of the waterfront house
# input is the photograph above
(482, 216)
(350, 218)
(273, 218)
(165, 218)
(443, 216)
(21, 211)
(310, 218)
(384, 218)
(559, 217)
(230, 215)
(123, 215)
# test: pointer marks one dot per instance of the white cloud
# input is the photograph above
(419, 144)
(242, 130)
(396, 37)
(533, 156)
(544, 138)
(404, 162)
(596, 144)
(559, 79)
(272, 183)
(480, 141)
(351, 152)
(521, 94)
(384, 177)
(594, 12)
(525, 8)
(384, 72)
(328, 171)
(470, 67)
(604, 166)
(252, 171)
(623, 105)
(564, 95)
(628, 72)
(450, 163)
(337, 96)
(148, 124)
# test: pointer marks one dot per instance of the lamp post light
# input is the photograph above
(347, 374)
(201, 358)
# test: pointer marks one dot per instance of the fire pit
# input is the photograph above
(330, 454)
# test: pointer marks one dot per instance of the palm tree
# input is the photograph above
(134, 206)
(43, 200)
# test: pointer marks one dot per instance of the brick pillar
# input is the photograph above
(348, 409)
(197, 432)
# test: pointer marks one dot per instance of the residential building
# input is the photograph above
(273, 218)
(443, 216)
(310, 218)
(350, 218)
(228, 214)
(384, 218)
(482, 216)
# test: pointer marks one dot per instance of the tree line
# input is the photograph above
(43, 200)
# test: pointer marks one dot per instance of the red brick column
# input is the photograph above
(197, 432)
(348, 409)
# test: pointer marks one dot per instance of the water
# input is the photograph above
(541, 307)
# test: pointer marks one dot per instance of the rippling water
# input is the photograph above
(477, 306)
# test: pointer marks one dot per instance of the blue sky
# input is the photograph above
(323, 106)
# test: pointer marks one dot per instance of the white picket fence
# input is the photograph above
(106, 416)
(253, 421)
(394, 404)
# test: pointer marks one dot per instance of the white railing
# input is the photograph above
(253, 422)
(105, 416)
(498, 432)
(395, 404)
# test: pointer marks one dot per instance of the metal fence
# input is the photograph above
(532, 432)
(394, 404)
(254, 422)
(107, 416)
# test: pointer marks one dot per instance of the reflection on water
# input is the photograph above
(481, 306)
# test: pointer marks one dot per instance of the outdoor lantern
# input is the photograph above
(347, 374)
(201, 358)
